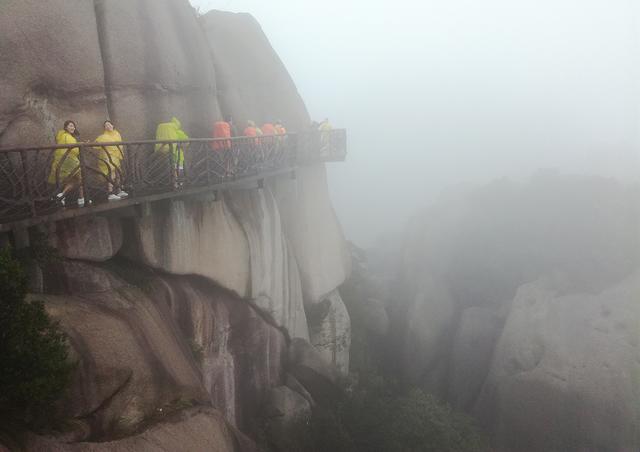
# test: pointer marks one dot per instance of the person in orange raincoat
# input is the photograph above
(252, 131)
(222, 129)
(268, 129)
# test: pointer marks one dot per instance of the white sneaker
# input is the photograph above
(80, 202)
(122, 194)
(113, 197)
(60, 198)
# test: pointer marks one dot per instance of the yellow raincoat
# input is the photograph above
(171, 131)
(110, 157)
(65, 159)
(325, 126)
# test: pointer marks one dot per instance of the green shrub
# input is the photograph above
(33, 352)
(379, 417)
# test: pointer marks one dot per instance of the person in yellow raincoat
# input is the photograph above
(65, 167)
(110, 160)
(172, 131)
(325, 129)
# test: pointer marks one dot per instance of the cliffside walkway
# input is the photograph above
(149, 171)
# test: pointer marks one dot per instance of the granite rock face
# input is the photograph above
(313, 230)
(275, 281)
(200, 237)
(131, 363)
(90, 238)
(252, 82)
(330, 331)
(193, 429)
(48, 75)
(157, 65)
(565, 371)
(138, 68)
(147, 344)
(241, 357)
(464, 260)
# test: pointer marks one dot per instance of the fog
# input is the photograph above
(435, 93)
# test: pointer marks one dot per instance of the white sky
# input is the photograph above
(436, 92)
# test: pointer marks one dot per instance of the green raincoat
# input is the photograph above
(171, 131)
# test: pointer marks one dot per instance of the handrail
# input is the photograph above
(120, 143)
(30, 177)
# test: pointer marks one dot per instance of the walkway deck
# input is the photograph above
(150, 171)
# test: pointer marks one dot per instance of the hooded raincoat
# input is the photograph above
(66, 163)
(221, 129)
(171, 131)
(110, 157)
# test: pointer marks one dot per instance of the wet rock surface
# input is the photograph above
(91, 238)
(311, 225)
(196, 429)
(148, 343)
(275, 281)
(192, 236)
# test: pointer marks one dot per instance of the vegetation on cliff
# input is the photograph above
(35, 366)
(380, 416)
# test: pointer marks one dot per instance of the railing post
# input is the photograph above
(174, 163)
(128, 178)
(83, 174)
(27, 180)
(208, 155)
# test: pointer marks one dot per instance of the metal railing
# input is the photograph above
(32, 177)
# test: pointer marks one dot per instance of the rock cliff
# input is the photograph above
(181, 314)
(517, 302)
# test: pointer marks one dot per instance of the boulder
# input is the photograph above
(89, 237)
(67, 277)
(313, 230)
(275, 282)
(157, 65)
(476, 335)
(239, 46)
(564, 374)
(193, 429)
(193, 236)
(48, 75)
(330, 331)
(132, 362)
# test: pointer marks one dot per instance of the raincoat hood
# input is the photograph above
(177, 123)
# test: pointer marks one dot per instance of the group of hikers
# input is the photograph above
(65, 167)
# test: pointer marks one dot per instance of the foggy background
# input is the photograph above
(437, 93)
